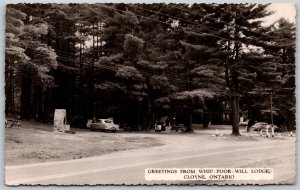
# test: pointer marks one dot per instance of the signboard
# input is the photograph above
(60, 119)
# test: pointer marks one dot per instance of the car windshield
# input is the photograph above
(108, 121)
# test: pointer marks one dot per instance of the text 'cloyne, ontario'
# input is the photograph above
(208, 174)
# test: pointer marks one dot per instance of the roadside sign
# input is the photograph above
(60, 119)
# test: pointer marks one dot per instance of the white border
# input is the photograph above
(2, 95)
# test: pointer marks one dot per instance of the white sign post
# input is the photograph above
(273, 135)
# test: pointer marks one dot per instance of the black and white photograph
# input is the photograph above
(150, 94)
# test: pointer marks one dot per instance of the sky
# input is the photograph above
(286, 10)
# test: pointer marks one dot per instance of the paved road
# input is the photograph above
(129, 167)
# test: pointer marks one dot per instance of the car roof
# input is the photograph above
(106, 120)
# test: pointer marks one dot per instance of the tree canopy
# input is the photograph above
(139, 62)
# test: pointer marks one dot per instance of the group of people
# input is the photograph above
(164, 122)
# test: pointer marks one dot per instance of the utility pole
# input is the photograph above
(271, 108)
(271, 112)
(267, 92)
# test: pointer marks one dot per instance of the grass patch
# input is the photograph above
(35, 143)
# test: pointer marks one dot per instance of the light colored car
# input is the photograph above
(104, 125)
(263, 126)
(244, 123)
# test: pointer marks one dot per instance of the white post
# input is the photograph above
(267, 132)
(272, 131)
(261, 133)
(217, 132)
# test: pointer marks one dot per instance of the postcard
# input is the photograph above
(150, 94)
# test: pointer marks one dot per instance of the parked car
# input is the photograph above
(263, 126)
(104, 125)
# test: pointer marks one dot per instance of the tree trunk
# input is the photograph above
(149, 115)
(40, 106)
(25, 97)
(291, 124)
(189, 121)
(235, 115)
(151, 119)
(205, 120)
(9, 91)
(145, 116)
(49, 39)
(121, 111)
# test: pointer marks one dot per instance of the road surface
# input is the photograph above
(128, 167)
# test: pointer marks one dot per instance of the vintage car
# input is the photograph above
(104, 125)
(263, 126)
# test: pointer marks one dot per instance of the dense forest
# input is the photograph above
(139, 62)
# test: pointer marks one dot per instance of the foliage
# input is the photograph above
(147, 59)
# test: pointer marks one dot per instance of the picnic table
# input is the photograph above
(179, 127)
(9, 123)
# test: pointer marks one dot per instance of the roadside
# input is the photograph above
(36, 143)
(129, 166)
